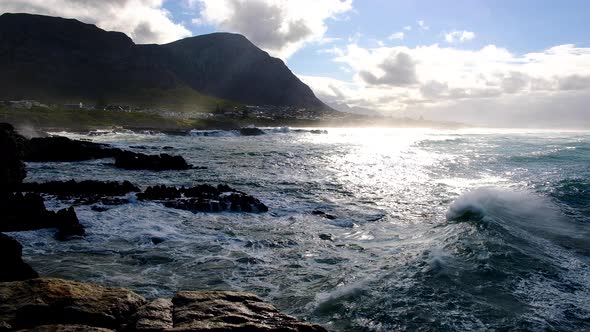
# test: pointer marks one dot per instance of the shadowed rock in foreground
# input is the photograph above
(204, 198)
(61, 305)
(13, 267)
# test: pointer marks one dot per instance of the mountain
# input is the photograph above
(55, 59)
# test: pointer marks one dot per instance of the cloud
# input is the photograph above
(459, 36)
(396, 35)
(422, 25)
(408, 28)
(398, 70)
(145, 21)
(447, 83)
(280, 27)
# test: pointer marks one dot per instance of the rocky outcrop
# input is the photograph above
(61, 305)
(204, 198)
(12, 169)
(20, 212)
(11, 262)
(231, 311)
(247, 131)
(83, 192)
(37, 302)
(57, 148)
(164, 161)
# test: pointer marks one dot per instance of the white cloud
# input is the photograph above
(408, 28)
(397, 35)
(422, 25)
(459, 36)
(280, 27)
(453, 84)
(145, 21)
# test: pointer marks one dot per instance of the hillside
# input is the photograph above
(63, 60)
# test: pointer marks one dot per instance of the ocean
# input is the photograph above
(456, 230)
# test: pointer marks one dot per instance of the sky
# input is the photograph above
(522, 63)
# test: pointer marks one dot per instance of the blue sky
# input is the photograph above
(492, 62)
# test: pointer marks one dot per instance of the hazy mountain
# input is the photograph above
(57, 59)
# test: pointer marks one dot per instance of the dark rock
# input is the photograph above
(37, 302)
(131, 160)
(57, 148)
(326, 237)
(318, 131)
(204, 198)
(157, 240)
(20, 212)
(12, 168)
(67, 328)
(13, 267)
(98, 208)
(323, 214)
(231, 311)
(73, 188)
(251, 131)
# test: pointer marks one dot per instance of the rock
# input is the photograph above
(204, 198)
(323, 214)
(73, 188)
(67, 328)
(231, 311)
(57, 148)
(37, 302)
(154, 316)
(247, 131)
(131, 160)
(318, 131)
(86, 192)
(13, 267)
(20, 212)
(326, 237)
(12, 168)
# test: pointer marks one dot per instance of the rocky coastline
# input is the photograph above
(28, 302)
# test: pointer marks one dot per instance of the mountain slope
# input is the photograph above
(56, 59)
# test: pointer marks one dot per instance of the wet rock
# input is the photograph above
(38, 302)
(134, 161)
(73, 188)
(204, 198)
(157, 240)
(20, 212)
(67, 328)
(318, 131)
(323, 214)
(231, 311)
(98, 208)
(326, 237)
(12, 267)
(57, 148)
(247, 131)
(154, 316)
(12, 168)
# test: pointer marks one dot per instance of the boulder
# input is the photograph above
(231, 311)
(20, 212)
(131, 160)
(12, 168)
(154, 316)
(13, 267)
(247, 131)
(38, 302)
(204, 198)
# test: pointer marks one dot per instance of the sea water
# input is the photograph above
(467, 229)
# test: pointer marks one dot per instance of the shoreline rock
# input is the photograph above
(139, 161)
(13, 266)
(204, 198)
(46, 304)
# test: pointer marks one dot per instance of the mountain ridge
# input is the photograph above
(51, 58)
